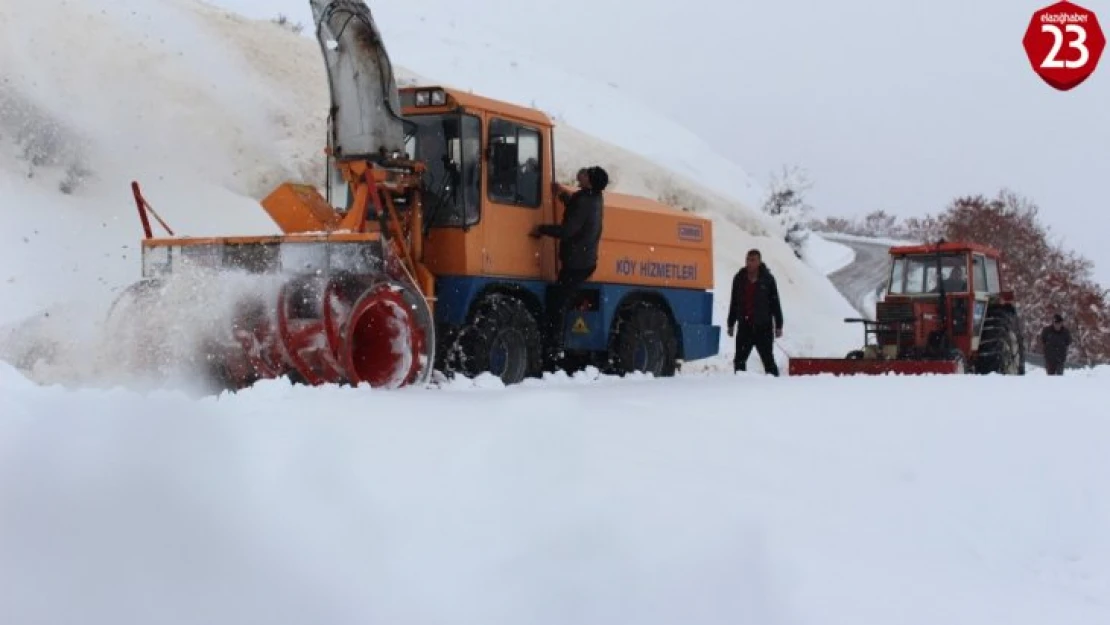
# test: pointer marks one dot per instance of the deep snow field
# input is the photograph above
(692, 500)
(707, 498)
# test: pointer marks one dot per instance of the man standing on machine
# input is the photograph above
(579, 237)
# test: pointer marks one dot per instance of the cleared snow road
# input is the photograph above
(863, 277)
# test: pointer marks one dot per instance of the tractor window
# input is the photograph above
(917, 275)
(897, 277)
(515, 173)
(994, 284)
(450, 146)
(981, 284)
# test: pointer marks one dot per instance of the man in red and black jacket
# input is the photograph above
(756, 309)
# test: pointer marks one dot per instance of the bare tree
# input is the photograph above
(284, 21)
(786, 202)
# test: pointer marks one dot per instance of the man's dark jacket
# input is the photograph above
(767, 305)
(580, 233)
(1055, 344)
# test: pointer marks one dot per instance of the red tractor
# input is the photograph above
(946, 310)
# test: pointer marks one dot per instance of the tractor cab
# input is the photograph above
(945, 311)
(945, 289)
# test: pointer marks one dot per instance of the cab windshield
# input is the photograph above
(450, 146)
(917, 275)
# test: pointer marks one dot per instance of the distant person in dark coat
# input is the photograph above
(579, 238)
(755, 313)
(1055, 341)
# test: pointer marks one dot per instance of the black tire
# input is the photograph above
(502, 338)
(1001, 348)
(643, 340)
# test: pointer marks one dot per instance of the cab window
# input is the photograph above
(515, 165)
(981, 283)
(450, 147)
(994, 284)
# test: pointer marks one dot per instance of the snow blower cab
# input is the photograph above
(945, 311)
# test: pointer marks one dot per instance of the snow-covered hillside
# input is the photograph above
(209, 111)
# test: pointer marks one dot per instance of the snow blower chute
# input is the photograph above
(342, 296)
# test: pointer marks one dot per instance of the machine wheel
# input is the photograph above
(503, 338)
(1000, 348)
(644, 340)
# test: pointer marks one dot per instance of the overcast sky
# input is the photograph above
(890, 105)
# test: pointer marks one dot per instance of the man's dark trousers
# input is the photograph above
(762, 339)
(567, 284)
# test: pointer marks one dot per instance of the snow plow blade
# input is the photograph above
(852, 366)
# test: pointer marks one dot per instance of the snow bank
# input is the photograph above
(825, 255)
(209, 111)
(838, 236)
(696, 500)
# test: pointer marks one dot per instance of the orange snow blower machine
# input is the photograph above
(945, 311)
(417, 256)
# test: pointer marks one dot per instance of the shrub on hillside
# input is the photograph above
(675, 195)
(880, 224)
(786, 203)
(46, 146)
(283, 21)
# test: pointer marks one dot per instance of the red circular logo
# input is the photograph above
(1064, 43)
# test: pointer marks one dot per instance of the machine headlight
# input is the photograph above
(156, 261)
(431, 97)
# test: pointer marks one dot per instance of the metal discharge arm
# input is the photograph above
(365, 114)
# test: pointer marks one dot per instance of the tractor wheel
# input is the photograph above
(502, 338)
(1000, 347)
(644, 340)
